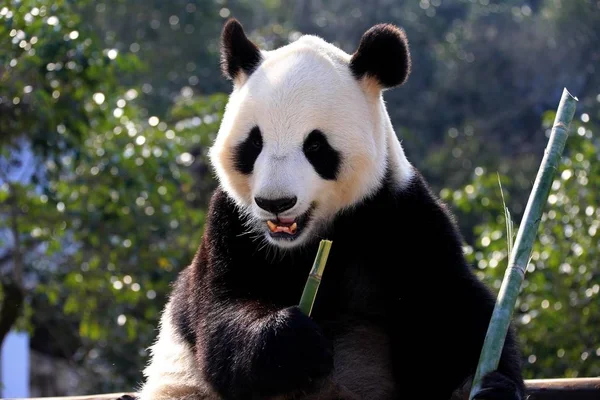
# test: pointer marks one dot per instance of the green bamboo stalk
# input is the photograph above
(520, 254)
(314, 277)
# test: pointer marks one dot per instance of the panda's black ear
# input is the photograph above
(238, 53)
(383, 54)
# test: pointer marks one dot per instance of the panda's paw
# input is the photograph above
(497, 386)
(294, 355)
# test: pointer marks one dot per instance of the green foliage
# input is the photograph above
(51, 69)
(558, 311)
(116, 206)
(126, 208)
(178, 39)
(117, 224)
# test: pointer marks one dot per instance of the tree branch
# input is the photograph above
(13, 298)
(12, 288)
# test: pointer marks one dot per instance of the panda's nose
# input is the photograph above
(276, 206)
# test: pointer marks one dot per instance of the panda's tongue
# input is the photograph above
(285, 221)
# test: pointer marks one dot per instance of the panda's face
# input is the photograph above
(297, 144)
(301, 139)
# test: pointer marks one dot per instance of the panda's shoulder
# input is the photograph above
(220, 204)
(223, 219)
(416, 201)
(414, 190)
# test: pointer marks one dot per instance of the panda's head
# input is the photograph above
(305, 132)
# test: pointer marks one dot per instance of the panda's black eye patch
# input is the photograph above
(246, 153)
(324, 158)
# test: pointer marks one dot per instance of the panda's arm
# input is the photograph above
(251, 348)
(440, 335)
(451, 331)
(449, 314)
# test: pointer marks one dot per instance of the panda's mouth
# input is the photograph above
(283, 226)
(288, 228)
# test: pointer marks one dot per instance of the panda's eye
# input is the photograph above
(314, 142)
(255, 138)
(313, 146)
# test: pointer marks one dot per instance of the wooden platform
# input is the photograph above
(567, 389)
(538, 389)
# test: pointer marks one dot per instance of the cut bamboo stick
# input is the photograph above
(314, 277)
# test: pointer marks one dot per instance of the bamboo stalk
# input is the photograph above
(521, 252)
(314, 277)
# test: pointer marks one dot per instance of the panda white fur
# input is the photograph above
(306, 151)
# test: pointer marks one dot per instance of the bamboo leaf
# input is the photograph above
(508, 220)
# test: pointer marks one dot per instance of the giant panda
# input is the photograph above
(306, 151)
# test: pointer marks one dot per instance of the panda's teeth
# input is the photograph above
(273, 227)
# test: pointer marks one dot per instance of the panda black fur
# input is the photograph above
(398, 309)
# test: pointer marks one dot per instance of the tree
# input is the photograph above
(126, 213)
(179, 41)
(50, 69)
(101, 206)
(119, 218)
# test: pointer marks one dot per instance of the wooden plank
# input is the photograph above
(110, 396)
(568, 389)
(538, 389)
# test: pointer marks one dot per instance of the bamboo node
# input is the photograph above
(561, 125)
(519, 269)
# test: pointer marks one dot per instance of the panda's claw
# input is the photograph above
(127, 397)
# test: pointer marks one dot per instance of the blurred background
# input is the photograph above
(107, 109)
